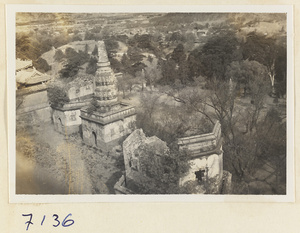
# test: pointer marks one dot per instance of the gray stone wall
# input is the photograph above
(34, 107)
(66, 122)
(105, 137)
(202, 144)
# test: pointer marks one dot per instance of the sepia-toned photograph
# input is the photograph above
(151, 103)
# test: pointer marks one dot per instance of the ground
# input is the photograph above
(62, 164)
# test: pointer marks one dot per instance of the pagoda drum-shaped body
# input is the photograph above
(105, 81)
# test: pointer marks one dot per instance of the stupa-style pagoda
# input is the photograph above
(106, 122)
(105, 81)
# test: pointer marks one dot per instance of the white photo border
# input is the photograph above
(11, 11)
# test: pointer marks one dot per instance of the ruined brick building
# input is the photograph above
(206, 160)
(206, 155)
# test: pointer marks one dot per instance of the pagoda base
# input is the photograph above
(107, 130)
(66, 119)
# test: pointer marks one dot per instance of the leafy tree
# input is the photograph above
(280, 71)
(264, 50)
(271, 138)
(86, 48)
(149, 105)
(96, 29)
(138, 66)
(77, 37)
(169, 73)
(143, 41)
(152, 73)
(69, 70)
(93, 106)
(22, 45)
(183, 73)
(57, 96)
(130, 81)
(163, 170)
(215, 56)
(111, 45)
(177, 37)
(196, 66)
(246, 74)
(59, 55)
(190, 41)
(116, 65)
(60, 40)
(41, 65)
(122, 85)
(95, 51)
(92, 66)
(70, 54)
(134, 55)
(178, 54)
(105, 32)
(30, 48)
(82, 57)
(150, 58)
(75, 60)
(125, 61)
(90, 36)
(132, 62)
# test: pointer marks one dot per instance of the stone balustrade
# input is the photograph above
(200, 145)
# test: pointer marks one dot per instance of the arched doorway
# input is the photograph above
(94, 138)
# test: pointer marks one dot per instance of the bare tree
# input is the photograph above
(152, 72)
(219, 103)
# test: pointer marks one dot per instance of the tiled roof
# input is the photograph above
(31, 76)
(22, 64)
(24, 75)
(38, 79)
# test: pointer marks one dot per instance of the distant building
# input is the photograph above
(22, 64)
(27, 75)
(31, 95)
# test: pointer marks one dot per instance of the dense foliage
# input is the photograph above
(164, 171)
(57, 96)
(74, 62)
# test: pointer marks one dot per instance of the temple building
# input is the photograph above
(32, 103)
(66, 116)
(106, 121)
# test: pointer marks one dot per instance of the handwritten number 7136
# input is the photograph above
(65, 223)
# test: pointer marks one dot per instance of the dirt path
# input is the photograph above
(63, 164)
(55, 168)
